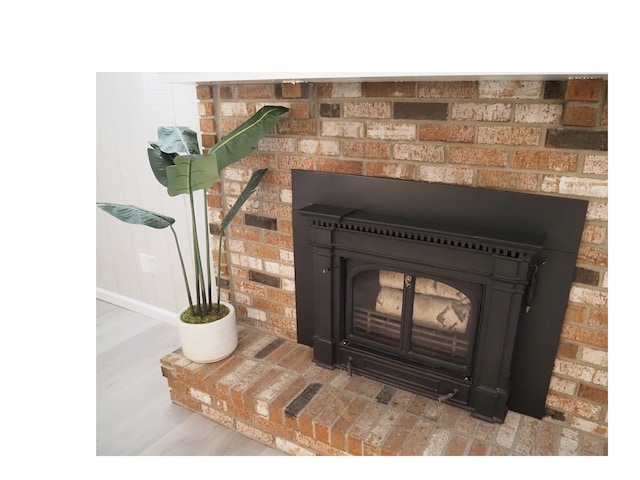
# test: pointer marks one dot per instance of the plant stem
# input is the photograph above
(208, 248)
(219, 266)
(184, 271)
(196, 257)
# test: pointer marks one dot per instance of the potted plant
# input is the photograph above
(207, 327)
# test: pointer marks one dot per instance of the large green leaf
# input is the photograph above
(159, 162)
(254, 181)
(191, 173)
(244, 139)
(177, 140)
(137, 215)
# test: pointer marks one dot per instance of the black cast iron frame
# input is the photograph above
(472, 212)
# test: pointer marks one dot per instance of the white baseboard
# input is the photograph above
(137, 306)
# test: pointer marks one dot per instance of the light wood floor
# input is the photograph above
(134, 415)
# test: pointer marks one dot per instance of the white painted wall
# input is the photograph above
(130, 107)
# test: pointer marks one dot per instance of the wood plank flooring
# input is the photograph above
(134, 414)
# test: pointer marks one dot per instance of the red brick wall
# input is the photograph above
(548, 137)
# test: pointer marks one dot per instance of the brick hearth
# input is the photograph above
(271, 391)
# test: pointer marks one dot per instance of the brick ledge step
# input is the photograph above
(270, 390)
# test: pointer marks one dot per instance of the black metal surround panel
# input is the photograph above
(552, 224)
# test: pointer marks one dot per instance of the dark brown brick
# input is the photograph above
(420, 111)
(586, 276)
(330, 110)
(554, 90)
(264, 279)
(261, 222)
(577, 139)
(226, 93)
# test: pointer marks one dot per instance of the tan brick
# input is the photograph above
(488, 157)
(594, 234)
(235, 109)
(446, 133)
(416, 152)
(547, 113)
(342, 129)
(366, 109)
(524, 442)
(276, 144)
(596, 164)
(451, 175)
(593, 255)
(481, 112)
(319, 147)
(437, 442)
(507, 180)
(205, 109)
(556, 161)
(573, 406)
(575, 186)
(563, 385)
(390, 170)
(391, 130)
(447, 89)
(340, 89)
(580, 116)
(519, 136)
(584, 89)
(510, 89)
(574, 370)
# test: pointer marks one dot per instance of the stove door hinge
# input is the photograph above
(531, 289)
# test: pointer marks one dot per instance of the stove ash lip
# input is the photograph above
(548, 227)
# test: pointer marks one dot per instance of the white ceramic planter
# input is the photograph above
(209, 342)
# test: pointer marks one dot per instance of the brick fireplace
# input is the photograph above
(540, 136)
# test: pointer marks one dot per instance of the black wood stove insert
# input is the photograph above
(452, 292)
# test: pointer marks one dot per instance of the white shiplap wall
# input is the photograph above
(130, 107)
